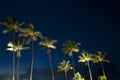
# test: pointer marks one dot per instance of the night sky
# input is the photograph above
(93, 23)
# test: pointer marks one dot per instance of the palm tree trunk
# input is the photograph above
(32, 62)
(13, 66)
(51, 67)
(18, 68)
(102, 69)
(89, 70)
(65, 75)
(73, 64)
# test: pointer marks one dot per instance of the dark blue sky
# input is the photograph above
(93, 23)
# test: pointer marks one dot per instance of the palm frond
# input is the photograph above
(23, 35)
(30, 26)
(38, 34)
(7, 30)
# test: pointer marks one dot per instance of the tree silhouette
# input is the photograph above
(68, 48)
(31, 35)
(86, 58)
(100, 58)
(17, 45)
(48, 43)
(12, 24)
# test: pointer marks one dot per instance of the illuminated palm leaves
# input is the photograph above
(65, 66)
(85, 57)
(48, 43)
(12, 24)
(78, 76)
(70, 47)
(16, 46)
(30, 33)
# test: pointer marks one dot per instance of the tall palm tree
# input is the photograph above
(68, 48)
(65, 66)
(17, 45)
(12, 24)
(31, 35)
(48, 43)
(86, 58)
(101, 58)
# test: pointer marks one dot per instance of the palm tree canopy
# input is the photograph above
(102, 78)
(64, 66)
(78, 76)
(30, 33)
(70, 46)
(85, 56)
(48, 43)
(12, 24)
(98, 57)
(16, 46)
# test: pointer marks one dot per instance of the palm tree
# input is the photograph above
(31, 36)
(78, 76)
(86, 58)
(100, 58)
(65, 66)
(48, 43)
(17, 45)
(68, 48)
(12, 24)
